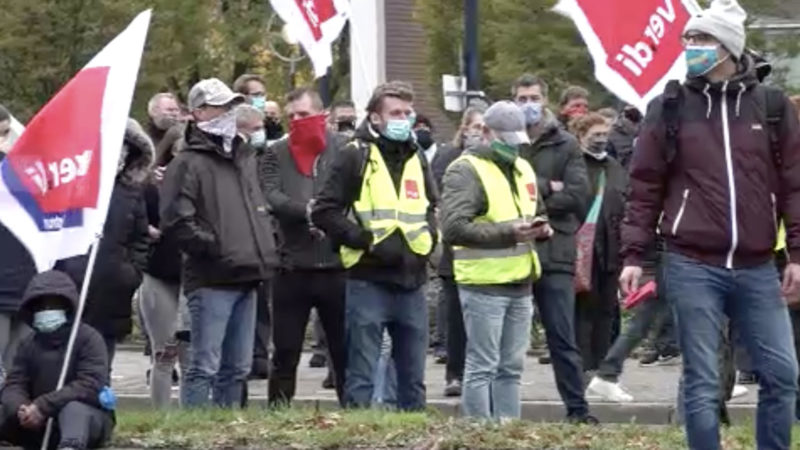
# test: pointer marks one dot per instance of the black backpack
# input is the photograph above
(673, 101)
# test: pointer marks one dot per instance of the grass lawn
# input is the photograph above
(306, 428)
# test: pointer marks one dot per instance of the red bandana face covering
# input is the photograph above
(575, 111)
(307, 141)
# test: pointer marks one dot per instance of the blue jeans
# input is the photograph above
(498, 334)
(372, 308)
(701, 296)
(223, 323)
(385, 390)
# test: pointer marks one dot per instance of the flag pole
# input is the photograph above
(354, 37)
(76, 322)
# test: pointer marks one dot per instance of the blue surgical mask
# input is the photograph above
(412, 119)
(533, 112)
(701, 59)
(49, 320)
(259, 102)
(398, 130)
(258, 139)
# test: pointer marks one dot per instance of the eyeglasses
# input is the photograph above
(698, 38)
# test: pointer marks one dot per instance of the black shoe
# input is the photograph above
(328, 383)
(544, 359)
(147, 376)
(317, 361)
(259, 370)
(747, 378)
(649, 359)
(453, 389)
(586, 419)
(175, 378)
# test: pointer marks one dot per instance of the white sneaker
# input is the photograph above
(611, 392)
(739, 391)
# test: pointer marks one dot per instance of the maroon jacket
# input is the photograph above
(723, 192)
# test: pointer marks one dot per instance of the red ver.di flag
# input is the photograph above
(56, 182)
(316, 24)
(636, 45)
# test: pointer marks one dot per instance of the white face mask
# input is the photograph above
(224, 126)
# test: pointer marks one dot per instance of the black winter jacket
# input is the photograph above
(122, 255)
(391, 261)
(16, 270)
(607, 243)
(556, 156)
(288, 192)
(211, 200)
(37, 364)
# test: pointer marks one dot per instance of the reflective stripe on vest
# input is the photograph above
(482, 266)
(382, 210)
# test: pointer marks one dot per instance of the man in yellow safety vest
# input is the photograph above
(491, 217)
(377, 204)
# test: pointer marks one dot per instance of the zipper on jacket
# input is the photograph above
(679, 217)
(726, 135)
(775, 213)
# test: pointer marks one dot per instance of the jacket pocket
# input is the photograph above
(679, 217)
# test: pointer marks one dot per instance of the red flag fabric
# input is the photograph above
(56, 182)
(635, 45)
(315, 24)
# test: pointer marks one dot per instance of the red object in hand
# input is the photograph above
(640, 295)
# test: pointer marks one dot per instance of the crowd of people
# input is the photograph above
(236, 232)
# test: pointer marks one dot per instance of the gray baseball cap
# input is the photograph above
(213, 92)
(508, 122)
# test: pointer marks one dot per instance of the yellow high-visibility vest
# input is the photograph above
(482, 266)
(382, 210)
(781, 241)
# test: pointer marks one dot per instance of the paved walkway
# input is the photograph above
(653, 389)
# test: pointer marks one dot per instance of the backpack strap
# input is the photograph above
(673, 97)
(774, 104)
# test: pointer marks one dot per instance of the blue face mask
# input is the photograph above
(258, 102)
(412, 119)
(532, 111)
(701, 59)
(49, 320)
(258, 139)
(398, 130)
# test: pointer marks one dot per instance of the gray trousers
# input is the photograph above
(77, 425)
(159, 302)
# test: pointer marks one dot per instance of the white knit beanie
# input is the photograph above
(725, 21)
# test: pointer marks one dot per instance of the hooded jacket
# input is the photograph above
(37, 365)
(123, 249)
(723, 192)
(288, 192)
(556, 156)
(392, 261)
(212, 202)
(464, 199)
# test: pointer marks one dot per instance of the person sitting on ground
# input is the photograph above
(30, 397)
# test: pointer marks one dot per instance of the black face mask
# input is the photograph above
(346, 124)
(633, 114)
(273, 128)
(424, 138)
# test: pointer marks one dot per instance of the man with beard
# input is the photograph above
(377, 204)
(164, 112)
